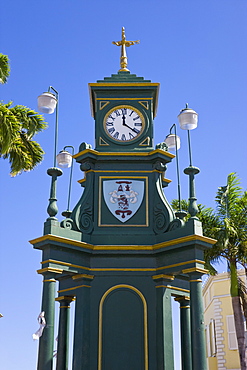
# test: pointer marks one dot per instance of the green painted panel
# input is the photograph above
(123, 331)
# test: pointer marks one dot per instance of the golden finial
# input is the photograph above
(123, 43)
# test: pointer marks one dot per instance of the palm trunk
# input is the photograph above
(238, 316)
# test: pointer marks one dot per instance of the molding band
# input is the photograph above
(163, 276)
(76, 287)
(173, 288)
(195, 269)
(50, 269)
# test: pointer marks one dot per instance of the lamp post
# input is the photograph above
(47, 103)
(188, 119)
(65, 160)
(173, 142)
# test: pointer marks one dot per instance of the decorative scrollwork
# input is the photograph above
(160, 219)
(67, 223)
(176, 224)
(85, 166)
(160, 166)
(86, 220)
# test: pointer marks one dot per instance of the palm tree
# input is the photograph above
(4, 68)
(228, 225)
(232, 245)
(18, 125)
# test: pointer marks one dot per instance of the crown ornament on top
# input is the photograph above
(124, 43)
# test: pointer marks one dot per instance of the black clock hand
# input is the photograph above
(124, 124)
(123, 118)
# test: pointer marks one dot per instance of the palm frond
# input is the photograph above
(4, 68)
(18, 125)
(24, 155)
(31, 121)
(228, 195)
(243, 296)
(9, 128)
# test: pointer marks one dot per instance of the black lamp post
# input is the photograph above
(173, 142)
(188, 119)
(47, 103)
(65, 160)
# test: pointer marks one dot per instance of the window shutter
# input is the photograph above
(232, 339)
(208, 341)
(212, 337)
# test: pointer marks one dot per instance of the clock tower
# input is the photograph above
(123, 107)
(123, 255)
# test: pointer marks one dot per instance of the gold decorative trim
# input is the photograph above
(101, 322)
(128, 154)
(80, 276)
(82, 180)
(145, 142)
(123, 247)
(163, 276)
(50, 269)
(184, 306)
(166, 180)
(76, 287)
(62, 240)
(103, 104)
(184, 239)
(195, 269)
(118, 84)
(180, 264)
(124, 269)
(65, 298)
(65, 264)
(121, 98)
(195, 281)
(183, 298)
(64, 306)
(126, 247)
(145, 104)
(125, 171)
(100, 198)
(95, 84)
(173, 288)
(102, 142)
(49, 280)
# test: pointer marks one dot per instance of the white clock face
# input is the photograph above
(124, 123)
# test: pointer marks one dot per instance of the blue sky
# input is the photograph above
(195, 49)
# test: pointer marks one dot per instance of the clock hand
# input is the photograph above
(123, 118)
(124, 124)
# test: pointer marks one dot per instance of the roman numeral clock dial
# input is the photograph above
(124, 123)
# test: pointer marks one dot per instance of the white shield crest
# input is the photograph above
(123, 197)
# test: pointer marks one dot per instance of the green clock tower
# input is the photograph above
(122, 254)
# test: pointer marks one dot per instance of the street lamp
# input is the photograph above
(188, 119)
(65, 160)
(47, 103)
(173, 142)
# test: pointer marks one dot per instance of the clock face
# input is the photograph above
(124, 123)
